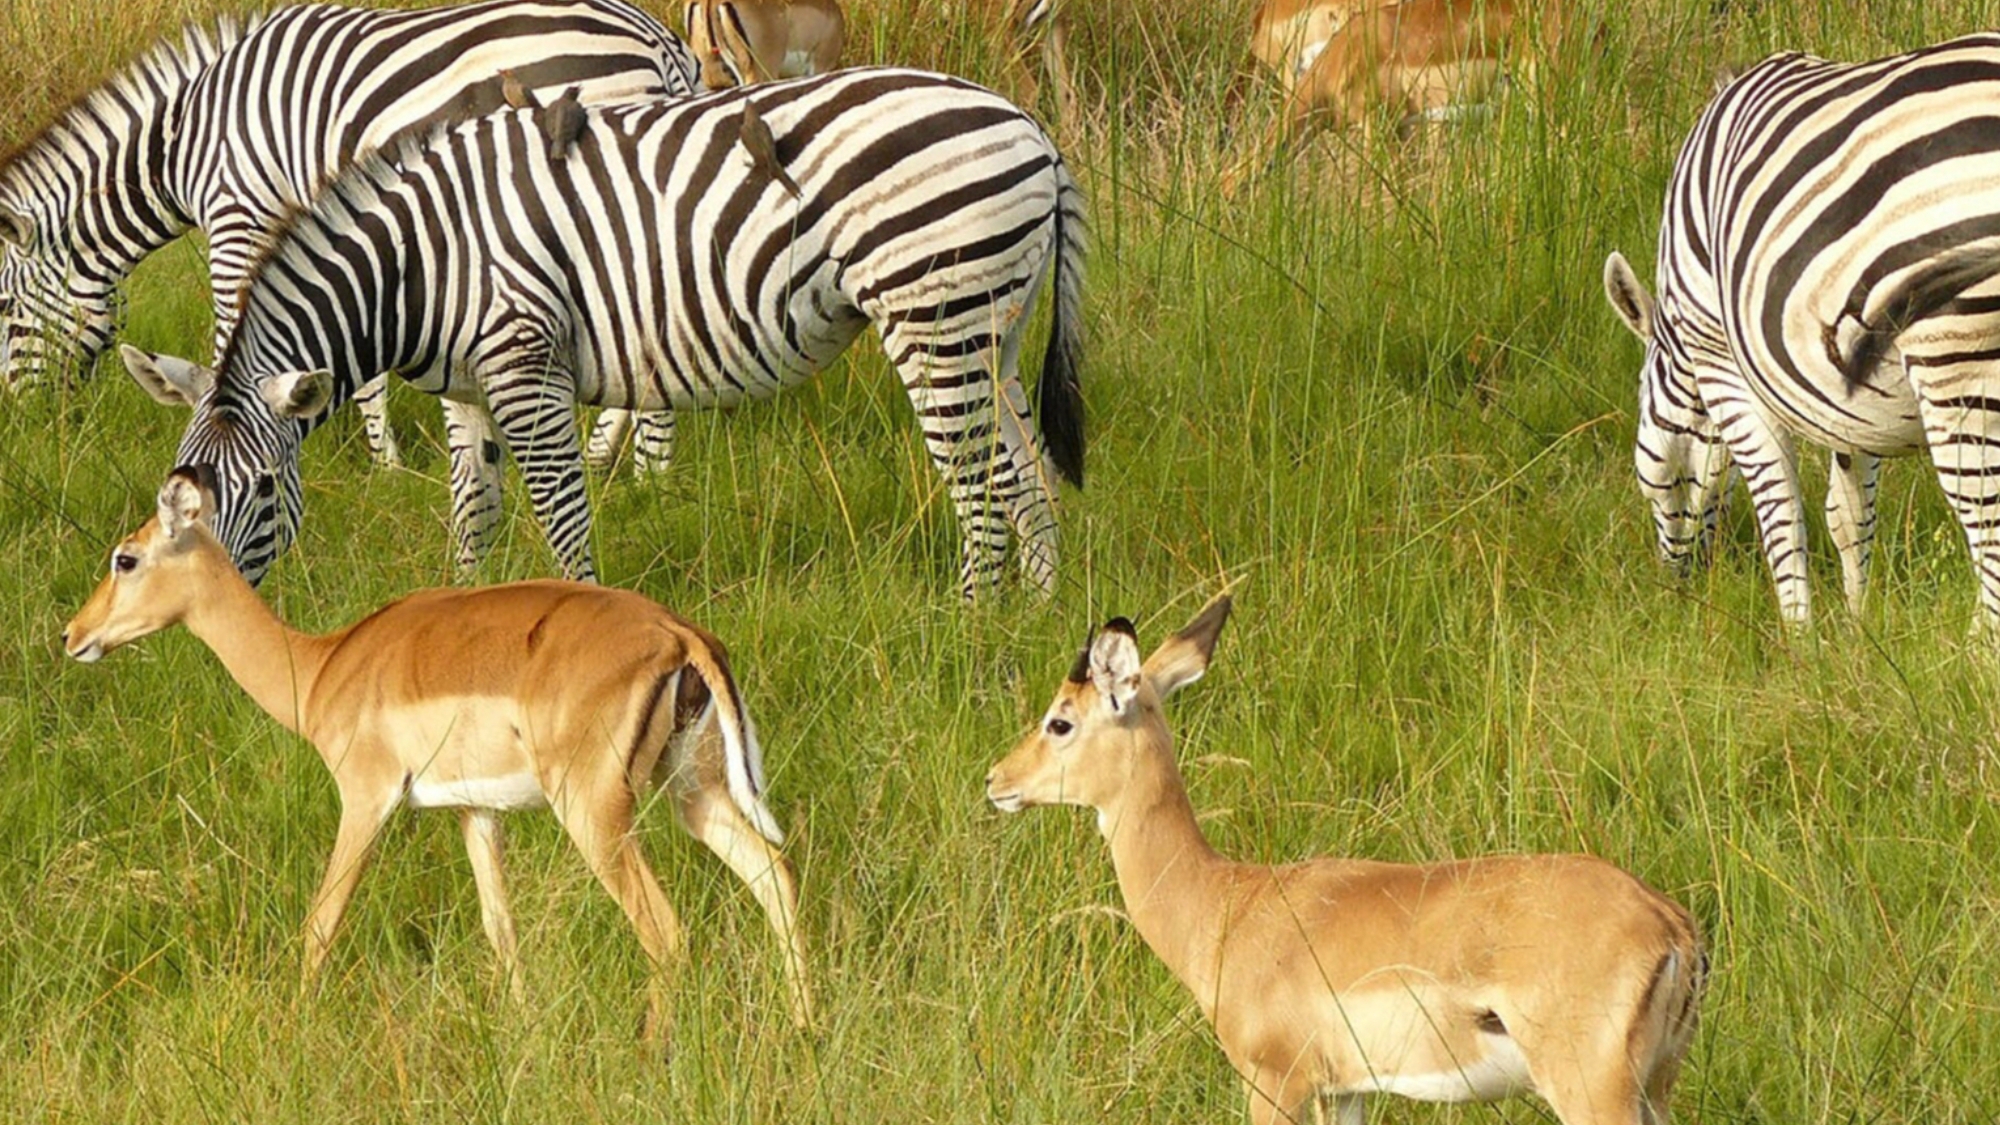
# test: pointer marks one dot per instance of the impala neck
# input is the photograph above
(273, 662)
(1171, 879)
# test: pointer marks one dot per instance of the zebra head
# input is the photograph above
(46, 323)
(1679, 455)
(246, 439)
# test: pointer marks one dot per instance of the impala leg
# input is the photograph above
(1280, 1099)
(702, 800)
(360, 822)
(597, 814)
(476, 486)
(483, 841)
(1850, 519)
(1608, 1096)
(533, 403)
(607, 437)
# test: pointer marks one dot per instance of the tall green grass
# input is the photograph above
(1380, 391)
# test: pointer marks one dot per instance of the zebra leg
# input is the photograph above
(1023, 485)
(372, 399)
(653, 447)
(475, 481)
(1850, 519)
(1764, 456)
(533, 400)
(953, 396)
(607, 437)
(1963, 430)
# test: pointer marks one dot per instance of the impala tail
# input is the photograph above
(1061, 389)
(743, 758)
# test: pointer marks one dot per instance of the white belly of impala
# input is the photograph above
(1501, 1072)
(511, 791)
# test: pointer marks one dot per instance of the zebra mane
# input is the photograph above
(169, 63)
(339, 197)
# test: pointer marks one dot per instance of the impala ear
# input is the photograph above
(1184, 657)
(1114, 663)
(1628, 297)
(298, 394)
(16, 229)
(185, 500)
(171, 381)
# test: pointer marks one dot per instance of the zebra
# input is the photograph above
(1829, 270)
(655, 267)
(234, 124)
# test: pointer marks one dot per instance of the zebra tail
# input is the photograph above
(1060, 393)
(1926, 292)
(743, 758)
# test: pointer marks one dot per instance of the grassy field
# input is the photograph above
(1382, 392)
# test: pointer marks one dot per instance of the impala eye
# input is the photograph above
(1060, 727)
(123, 563)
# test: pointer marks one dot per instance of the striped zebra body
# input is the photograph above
(233, 127)
(1827, 272)
(655, 266)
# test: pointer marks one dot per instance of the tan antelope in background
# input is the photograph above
(1339, 978)
(557, 694)
(1338, 60)
(1035, 30)
(744, 41)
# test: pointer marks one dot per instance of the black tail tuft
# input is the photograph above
(1060, 392)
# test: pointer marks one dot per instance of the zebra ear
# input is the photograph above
(16, 229)
(171, 381)
(1628, 296)
(298, 394)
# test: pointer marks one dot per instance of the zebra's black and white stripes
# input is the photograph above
(655, 266)
(1827, 267)
(233, 126)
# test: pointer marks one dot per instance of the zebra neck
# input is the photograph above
(111, 176)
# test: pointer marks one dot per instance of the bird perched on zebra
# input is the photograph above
(755, 134)
(661, 274)
(232, 125)
(562, 123)
(1829, 269)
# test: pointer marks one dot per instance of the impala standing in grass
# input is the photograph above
(745, 41)
(557, 694)
(1337, 60)
(1338, 978)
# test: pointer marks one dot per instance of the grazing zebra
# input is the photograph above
(654, 266)
(1827, 267)
(232, 126)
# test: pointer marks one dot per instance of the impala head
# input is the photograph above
(247, 439)
(46, 324)
(150, 582)
(1680, 457)
(1105, 716)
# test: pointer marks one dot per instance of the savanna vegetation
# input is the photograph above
(1380, 391)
